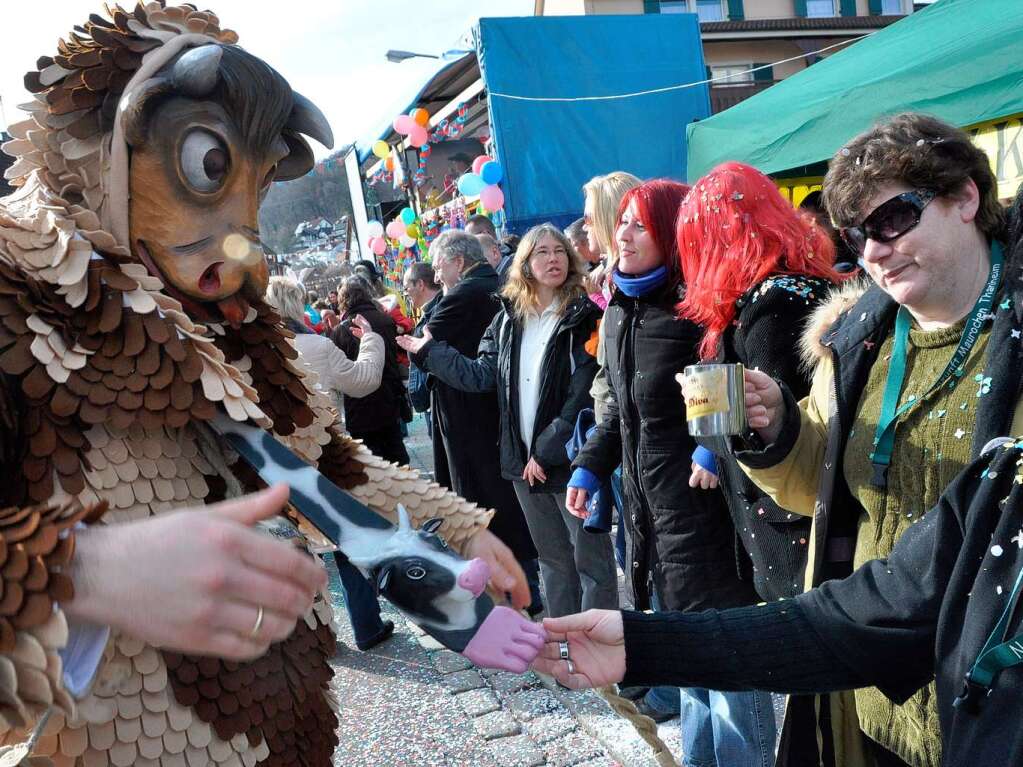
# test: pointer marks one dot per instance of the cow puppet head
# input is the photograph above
(207, 136)
(419, 574)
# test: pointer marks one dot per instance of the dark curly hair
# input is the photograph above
(917, 150)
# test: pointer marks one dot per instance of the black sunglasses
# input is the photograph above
(889, 220)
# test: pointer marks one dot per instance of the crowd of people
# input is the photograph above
(857, 534)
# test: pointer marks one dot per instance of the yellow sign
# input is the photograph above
(1001, 140)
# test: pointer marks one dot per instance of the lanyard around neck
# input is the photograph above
(998, 654)
(884, 436)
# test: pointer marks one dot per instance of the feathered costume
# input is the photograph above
(109, 378)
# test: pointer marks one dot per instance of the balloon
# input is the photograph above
(380, 149)
(395, 229)
(479, 162)
(491, 172)
(412, 231)
(403, 124)
(406, 241)
(408, 216)
(418, 136)
(420, 117)
(378, 246)
(389, 163)
(492, 197)
(374, 229)
(470, 185)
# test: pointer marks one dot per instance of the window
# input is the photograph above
(709, 10)
(740, 74)
(891, 7)
(674, 6)
(819, 8)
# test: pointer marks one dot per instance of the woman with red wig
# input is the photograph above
(680, 542)
(755, 268)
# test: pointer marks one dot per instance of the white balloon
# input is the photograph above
(406, 241)
(374, 229)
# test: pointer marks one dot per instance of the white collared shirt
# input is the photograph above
(537, 330)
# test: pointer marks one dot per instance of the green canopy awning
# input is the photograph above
(960, 60)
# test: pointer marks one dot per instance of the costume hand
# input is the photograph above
(596, 647)
(534, 473)
(506, 576)
(194, 580)
(765, 406)
(701, 478)
(575, 501)
(411, 344)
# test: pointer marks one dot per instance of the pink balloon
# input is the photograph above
(378, 246)
(404, 124)
(479, 162)
(418, 136)
(492, 197)
(396, 229)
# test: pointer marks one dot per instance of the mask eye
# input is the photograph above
(205, 161)
(415, 573)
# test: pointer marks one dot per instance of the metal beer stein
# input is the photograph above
(715, 399)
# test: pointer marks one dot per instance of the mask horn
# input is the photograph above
(196, 72)
(307, 118)
(404, 523)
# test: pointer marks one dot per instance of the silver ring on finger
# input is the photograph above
(258, 624)
(563, 650)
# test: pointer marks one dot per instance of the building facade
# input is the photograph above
(748, 45)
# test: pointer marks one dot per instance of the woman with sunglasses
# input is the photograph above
(913, 376)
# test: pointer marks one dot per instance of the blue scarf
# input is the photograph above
(636, 285)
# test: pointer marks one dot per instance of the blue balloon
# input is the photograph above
(470, 185)
(492, 172)
(408, 216)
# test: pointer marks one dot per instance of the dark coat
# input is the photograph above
(682, 540)
(383, 406)
(769, 321)
(853, 341)
(466, 425)
(566, 375)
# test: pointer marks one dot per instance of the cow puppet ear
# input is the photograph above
(432, 525)
(383, 578)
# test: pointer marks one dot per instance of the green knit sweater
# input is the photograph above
(932, 444)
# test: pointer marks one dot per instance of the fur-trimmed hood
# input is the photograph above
(840, 300)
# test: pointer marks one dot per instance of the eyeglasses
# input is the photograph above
(889, 220)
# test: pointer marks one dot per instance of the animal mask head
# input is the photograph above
(171, 134)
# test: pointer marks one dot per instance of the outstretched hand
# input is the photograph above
(596, 645)
(195, 580)
(506, 575)
(411, 344)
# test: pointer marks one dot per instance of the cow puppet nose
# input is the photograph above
(474, 577)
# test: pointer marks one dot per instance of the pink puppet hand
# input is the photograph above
(506, 641)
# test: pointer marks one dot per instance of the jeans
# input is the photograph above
(727, 729)
(577, 568)
(360, 601)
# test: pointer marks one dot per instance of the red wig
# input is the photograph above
(657, 205)
(734, 231)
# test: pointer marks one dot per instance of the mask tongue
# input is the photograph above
(234, 309)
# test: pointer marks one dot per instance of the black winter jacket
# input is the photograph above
(923, 613)
(679, 540)
(769, 321)
(383, 406)
(567, 373)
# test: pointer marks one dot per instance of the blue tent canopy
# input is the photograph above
(577, 96)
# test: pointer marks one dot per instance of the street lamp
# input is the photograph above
(396, 57)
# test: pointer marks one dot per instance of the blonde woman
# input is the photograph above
(533, 355)
(334, 370)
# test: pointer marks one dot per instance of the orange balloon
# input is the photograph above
(421, 116)
(389, 163)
